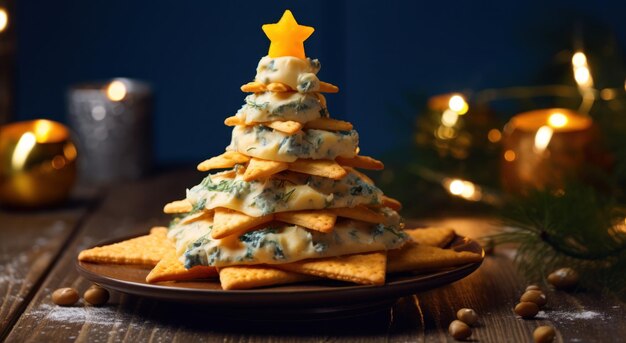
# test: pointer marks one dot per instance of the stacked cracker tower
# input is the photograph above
(291, 203)
(285, 203)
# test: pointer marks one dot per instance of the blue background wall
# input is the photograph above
(196, 54)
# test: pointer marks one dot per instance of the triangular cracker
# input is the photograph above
(228, 222)
(364, 162)
(278, 87)
(366, 269)
(253, 87)
(226, 160)
(200, 215)
(233, 121)
(178, 206)
(318, 220)
(417, 258)
(170, 268)
(432, 236)
(245, 277)
(326, 87)
(360, 212)
(288, 126)
(392, 203)
(148, 249)
(262, 169)
(325, 168)
(328, 124)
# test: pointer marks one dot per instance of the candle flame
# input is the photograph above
(557, 120)
(42, 130)
(4, 19)
(22, 149)
(116, 91)
(543, 138)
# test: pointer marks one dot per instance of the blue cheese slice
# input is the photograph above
(295, 72)
(263, 142)
(283, 243)
(270, 106)
(286, 191)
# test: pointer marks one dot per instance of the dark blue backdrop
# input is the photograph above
(196, 54)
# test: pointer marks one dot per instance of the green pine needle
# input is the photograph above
(576, 227)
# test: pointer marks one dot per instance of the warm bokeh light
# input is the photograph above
(510, 156)
(579, 59)
(608, 94)
(22, 149)
(444, 132)
(543, 138)
(494, 135)
(557, 120)
(58, 162)
(449, 118)
(582, 75)
(458, 104)
(69, 150)
(116, 91)
(4, 19)
(464, 189)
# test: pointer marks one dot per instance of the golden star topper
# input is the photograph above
(287, 37)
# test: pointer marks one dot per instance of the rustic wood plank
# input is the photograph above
(492, 291)
(29, 242)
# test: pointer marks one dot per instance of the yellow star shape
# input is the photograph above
(287, 37)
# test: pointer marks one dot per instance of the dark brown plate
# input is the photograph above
(306, 301)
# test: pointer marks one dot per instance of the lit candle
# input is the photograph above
(543, 148)
(113, 123)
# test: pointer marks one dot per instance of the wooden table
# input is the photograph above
(38, 250)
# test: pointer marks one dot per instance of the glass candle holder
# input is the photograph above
(113, 124)
(543, 148)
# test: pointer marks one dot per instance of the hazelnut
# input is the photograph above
(459, 330)
(65, 296)
(526, 309)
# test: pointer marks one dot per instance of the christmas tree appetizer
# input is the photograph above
(290, 205)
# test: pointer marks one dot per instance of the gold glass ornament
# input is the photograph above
(37, 163)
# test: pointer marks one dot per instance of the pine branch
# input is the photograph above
(576, 227)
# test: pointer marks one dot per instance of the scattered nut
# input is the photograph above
(563, 278)
(459, 330)
(467, 316)
(96, 295)
(65, 296)
(544, 334)
(534, 296)
(526, 309)
(533, 288)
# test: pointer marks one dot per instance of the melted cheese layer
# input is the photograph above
(268, 144)
(270, 106)
(281, 243)
(286, 191)
(298, 73)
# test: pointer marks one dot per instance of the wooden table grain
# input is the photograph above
(492, 290)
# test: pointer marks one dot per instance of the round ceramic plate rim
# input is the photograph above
(395, 289)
